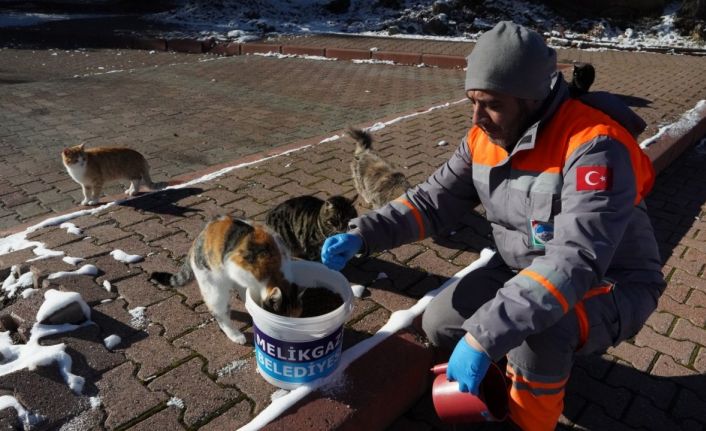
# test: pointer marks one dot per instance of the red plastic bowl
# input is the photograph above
(454, 406)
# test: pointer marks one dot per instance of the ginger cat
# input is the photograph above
(94, 167)
(238, 254)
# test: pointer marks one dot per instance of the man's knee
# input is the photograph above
(440, 329)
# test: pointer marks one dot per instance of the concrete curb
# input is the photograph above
(669, 146)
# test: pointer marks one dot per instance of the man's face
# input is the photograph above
(503, 118)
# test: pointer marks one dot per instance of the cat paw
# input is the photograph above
(84, 202)
(92, 202)
(131, 192)
(237, 338)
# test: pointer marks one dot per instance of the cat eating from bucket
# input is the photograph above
(232, 253)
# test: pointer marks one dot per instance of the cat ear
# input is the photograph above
(81, 145)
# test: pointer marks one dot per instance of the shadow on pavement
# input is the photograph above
(164, 202)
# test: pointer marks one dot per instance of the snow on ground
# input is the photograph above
(121, 256)
(32, 354)
(245, 21)
(240, 21)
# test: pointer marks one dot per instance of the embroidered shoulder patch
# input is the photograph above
(593, 178)
(540, 233)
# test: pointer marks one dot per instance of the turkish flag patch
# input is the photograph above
(593, 178)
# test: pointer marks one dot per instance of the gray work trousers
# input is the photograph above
(548, 355)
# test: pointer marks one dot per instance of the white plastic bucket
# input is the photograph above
(293, 351)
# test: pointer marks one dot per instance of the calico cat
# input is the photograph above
(376, 180)
(94, 167)
(229, 254)
(304, 222)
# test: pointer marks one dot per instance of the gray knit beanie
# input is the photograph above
(513, 60)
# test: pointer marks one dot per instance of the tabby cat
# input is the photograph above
(304, 222)
(376, 180)
(238, 254)
(93, 167)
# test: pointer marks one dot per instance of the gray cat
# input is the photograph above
(304, 222)
(376, 180)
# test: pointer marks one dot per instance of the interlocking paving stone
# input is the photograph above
(201, 396)
(154, 353)
(210, 342)
(246, 378)
(139, 291)
(639, 357)
(231, 419)
(124, 397)
(44, 391)
(175, 317)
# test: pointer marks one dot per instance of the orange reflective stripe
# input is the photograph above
(573, 125)
(417, 216)
(535, 412)
(549, 286)
(537, 385)
(600, 290)
(582, 318)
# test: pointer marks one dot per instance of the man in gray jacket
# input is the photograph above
(563, 182)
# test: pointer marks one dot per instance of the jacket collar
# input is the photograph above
(558, 94)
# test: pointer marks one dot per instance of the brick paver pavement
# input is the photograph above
(173, 368)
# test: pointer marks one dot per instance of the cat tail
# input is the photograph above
(363, 140)
(148, 180)
(182, 277)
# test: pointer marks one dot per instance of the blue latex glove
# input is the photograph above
(339, 249)
(467, 366)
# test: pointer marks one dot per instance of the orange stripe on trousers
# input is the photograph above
(535, 412)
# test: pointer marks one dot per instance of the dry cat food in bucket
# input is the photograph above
(293, 351)
(317, 301)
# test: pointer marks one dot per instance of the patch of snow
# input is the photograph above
(13, 282)
(176, 402)
(73, 260)
(33, 355)
(233, 366)
(358, 290)
(44, 253)
(95, 402)
(139, 320)
(372, 61)
(27, 418)
(107, 286)
(679, 128)
(71, 228)
(55, 300)
(111, 341)
(121, 256)
(28, 292)
(87, 269)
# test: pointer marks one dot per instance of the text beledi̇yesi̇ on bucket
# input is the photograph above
(293, 351)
